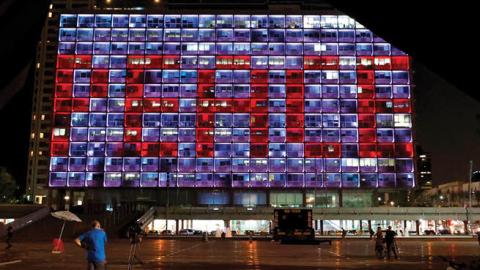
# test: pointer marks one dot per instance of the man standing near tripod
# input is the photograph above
(135, 234)
(94, 242)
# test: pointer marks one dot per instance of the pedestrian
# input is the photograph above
(344, 233)
(478, 237)
(390, 241)
(372, 233)
(379, 248)
(94, 242)
(8, 240)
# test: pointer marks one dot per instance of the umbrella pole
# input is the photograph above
(61, 232)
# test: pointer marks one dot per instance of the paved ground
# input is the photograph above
(234, 254)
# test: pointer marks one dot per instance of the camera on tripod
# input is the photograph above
(135, 233)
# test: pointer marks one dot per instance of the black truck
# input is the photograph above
(294, 226)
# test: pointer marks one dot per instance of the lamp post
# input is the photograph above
(470, 171)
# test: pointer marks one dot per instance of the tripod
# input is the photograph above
(132, 255)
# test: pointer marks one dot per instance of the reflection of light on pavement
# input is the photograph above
(253, 259)
(159, 249)
(429, 255)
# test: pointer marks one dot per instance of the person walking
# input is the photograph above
(94, 242)
(371, 232)
(8, 240)
(379, 248)
(390, 241)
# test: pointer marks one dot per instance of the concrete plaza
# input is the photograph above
(237, 254)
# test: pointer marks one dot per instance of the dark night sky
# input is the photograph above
(440, 38)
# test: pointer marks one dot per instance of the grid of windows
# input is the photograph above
(229, 101)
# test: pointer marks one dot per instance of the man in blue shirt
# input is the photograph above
(94, 242)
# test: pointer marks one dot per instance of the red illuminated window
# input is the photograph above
(150, 149)
(153, 61)
(366, 106)
(135, 61)
(365, 77)
(364, 63)
(204, 150)
(205, 135)
(385, 150)
(241, 62)
(366, 120)
(331, 150)
(99, 76)
(367, 150)
(241, 105)
(258, 120)
(206, 76)
(63, 90)
(133, 105)
(64, 76)
(99, 90)
(169, 105)
(205, 120)
(295, 76)
(329, 62)
(259, 135)
(65, 61)
(152, 104)
(258, 150)
(259, 105)
(295, 135)
(259, 91)
(133, 120)
(294, 91)
(133, 134)
(312, 62)
(313, 150)
(400, 62)
(59, 149)
(367, 135)
(80, 104)
(404, 150)
(224, 62)
(401, 106)
(295, 120)
(83, 61)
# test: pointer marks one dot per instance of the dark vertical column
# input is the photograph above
(321, 227)
(369, 226)
(417, 226)
(340, 198)
(176, 226)
(465, 226)
(361, 227)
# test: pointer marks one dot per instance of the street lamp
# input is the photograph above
(392, 203)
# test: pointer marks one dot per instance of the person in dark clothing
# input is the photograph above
(8, 240)
(390, 241)
(372, 233)
(344, 233)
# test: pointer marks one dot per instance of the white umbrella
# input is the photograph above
(65, 216)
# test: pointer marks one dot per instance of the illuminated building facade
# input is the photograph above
(236, 102)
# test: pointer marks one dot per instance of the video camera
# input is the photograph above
(135, 233)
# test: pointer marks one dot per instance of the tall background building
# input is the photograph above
(206, 105)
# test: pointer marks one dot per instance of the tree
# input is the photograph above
(7, 186)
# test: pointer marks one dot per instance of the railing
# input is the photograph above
(147, 217)
(26, 220)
